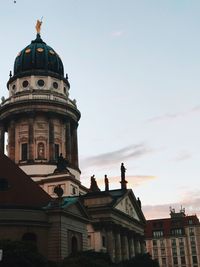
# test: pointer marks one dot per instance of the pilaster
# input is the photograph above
(68, 141)
(2, 138)
(11, 141)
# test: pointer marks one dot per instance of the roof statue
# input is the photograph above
(123, 180)
(106, 183)
(38, 26)
(93, 185)
(123, 170)
(139, 202)
(61, 164)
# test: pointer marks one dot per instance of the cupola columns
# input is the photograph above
(2, 137)
(31, 139)
(51, 141)
(11, 141)
(68, 144)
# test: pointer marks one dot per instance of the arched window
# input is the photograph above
(41, 150)
(29, 237)
(74, 245)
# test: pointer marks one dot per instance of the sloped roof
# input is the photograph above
(167, 224)
(17, 189)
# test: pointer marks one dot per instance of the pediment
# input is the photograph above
(76, 209)
(128, 205)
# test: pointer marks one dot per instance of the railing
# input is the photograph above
(34, 96)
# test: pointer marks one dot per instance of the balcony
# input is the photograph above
(38, 95)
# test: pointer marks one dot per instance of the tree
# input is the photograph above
(21, 254)
(87, 258)
(140, 260)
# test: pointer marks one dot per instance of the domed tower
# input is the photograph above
(39, 117)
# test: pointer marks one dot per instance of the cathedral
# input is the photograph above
(41, 196)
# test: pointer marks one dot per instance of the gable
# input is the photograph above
(127, 206)
(75, 208)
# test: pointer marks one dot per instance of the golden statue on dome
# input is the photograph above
(38, 26)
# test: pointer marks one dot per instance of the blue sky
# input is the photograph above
(134, 71)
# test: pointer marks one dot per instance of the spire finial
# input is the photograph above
(38, 25)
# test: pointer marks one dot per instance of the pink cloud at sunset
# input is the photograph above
(190, 201)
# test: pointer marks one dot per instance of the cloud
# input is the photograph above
(167, 116)
(172, 116)
(114, 181)
(115, 157)
(189, 200)
(133, 180)
(117, 33)
(183, 155)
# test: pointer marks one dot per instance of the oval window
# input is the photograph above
(55, 85)
(40, 83)
(25, 84)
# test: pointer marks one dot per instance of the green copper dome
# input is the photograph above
(38, 59)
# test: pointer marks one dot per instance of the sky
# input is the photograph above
(133, 66)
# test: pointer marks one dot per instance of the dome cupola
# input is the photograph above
(38, 59)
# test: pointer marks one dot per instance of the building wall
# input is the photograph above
(177, 250)
(15, 223)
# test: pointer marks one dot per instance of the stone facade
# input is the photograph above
(174, 241)
(41, 122)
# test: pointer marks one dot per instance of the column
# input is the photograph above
(143, 246)
(11, 140)
(110, 244)
(2, 138)
(118, 250)
(68, 141)
(131, 247)
(125, 250)
(74, 147)
(137, 246)
(31, 140)
(51, 141)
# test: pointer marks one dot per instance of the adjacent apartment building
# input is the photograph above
(174, 241)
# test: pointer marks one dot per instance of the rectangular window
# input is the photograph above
(177, 231)
(174, 251)
(191, 231)
(194, 252)
(154, 243)
(173, 241)
(56, 151)
(182, 260)
(74, 190)
(190, 221)
(155, 252)
(182, 251)
(162, 251)
(175, 260)
(194, 259)
(164, 261)
(89, 241)
(24, 152)
(158, 233)
(192, 240)
(181, 242)
(103, 241)
(162, 243)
